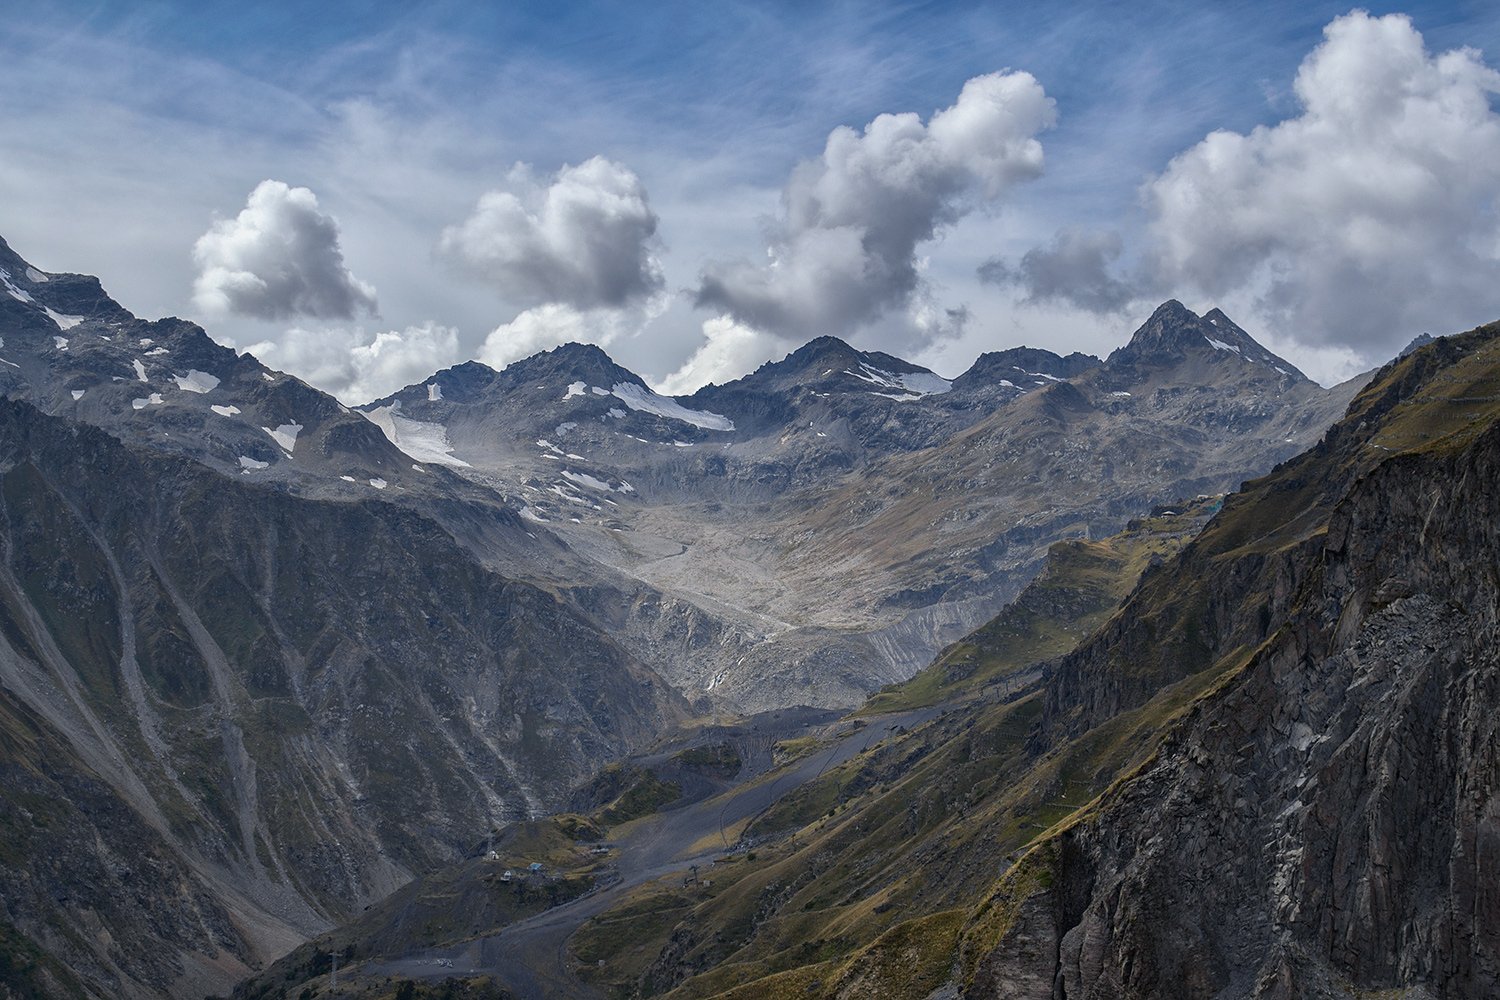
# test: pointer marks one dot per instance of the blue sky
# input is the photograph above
(129, 129)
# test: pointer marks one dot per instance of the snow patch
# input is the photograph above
(616, 412)
(348, 479)
(247, 463)
(61, 343)
(268, 377)
(600, 392)
(63, 322)
(532, 514)
(77, 394)
(36, 277)
(146, 341)
(917, 384)
(434, 392)
(15, 292)
(196, 381)
(682, 444)
(157, 352)
(379, 483)
(140, 369)
(152, 400)
(584, 479)
(285, 435)
(1120, 395)
(225, 411)
(561, 430)
(575, 389)
(1007, 383)
(646, 401)
(418, 439)
(1219, 345)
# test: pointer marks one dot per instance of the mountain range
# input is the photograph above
(264, 658)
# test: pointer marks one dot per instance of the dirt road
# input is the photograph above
(531, 957)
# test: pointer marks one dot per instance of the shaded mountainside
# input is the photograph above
(292, 705)
(1271, 773)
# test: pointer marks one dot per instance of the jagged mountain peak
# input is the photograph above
(1418, 342)
(1174, 333)
(564, 372)
(832, 350)
(828, 364)
(61, 300)
(1016, 363)
(574, 361)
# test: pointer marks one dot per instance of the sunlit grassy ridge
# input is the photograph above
(1084, 580)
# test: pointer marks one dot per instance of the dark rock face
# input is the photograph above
(289, 705)
(1325, 822)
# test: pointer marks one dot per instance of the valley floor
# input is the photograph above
(531, 958)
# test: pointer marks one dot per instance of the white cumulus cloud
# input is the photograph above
(584, 239)
(552, 325)
(729, 350)
(1368, 217)
(279, 258)
(357, 366)
(844, 250)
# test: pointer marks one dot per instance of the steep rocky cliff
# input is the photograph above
(1326, 822)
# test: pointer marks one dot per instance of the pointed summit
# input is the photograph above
(834, 365)
(569, 363)
(1172, 329)
(1175, 334)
